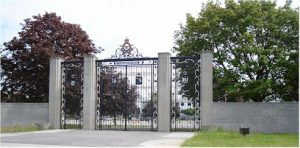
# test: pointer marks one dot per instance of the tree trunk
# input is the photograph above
(115, 119)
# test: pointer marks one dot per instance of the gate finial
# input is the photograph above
(126, 40)
(126, 50)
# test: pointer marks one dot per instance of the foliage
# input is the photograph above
(25, 59)
(72, 86)
(119, 98)
(175, 111)
(189, 111)
(187, 87)
(149, 108)
(220, 138)
(255, 46)
(72, 126)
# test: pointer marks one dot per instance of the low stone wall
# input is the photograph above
(24, 113)
(260, 117)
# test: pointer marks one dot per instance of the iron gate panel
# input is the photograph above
(72, 95)
(185, 96)
(127, 94)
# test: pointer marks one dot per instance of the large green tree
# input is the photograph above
(25, 59)
(255, 46)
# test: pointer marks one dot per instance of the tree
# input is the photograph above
(175, 111)
(189, 111)
(116, 99)
(149, 109)
(25, 60)
(255, 46)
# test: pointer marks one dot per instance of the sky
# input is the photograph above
(149, 24)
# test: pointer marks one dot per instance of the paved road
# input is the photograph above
(94, 138)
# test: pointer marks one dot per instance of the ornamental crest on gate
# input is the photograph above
(126, 50)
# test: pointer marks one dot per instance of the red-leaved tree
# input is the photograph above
(25, 59)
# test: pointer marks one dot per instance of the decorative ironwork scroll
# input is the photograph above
(72, 95)
(185, 99)
(126, 50)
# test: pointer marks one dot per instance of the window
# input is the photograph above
(182, 104)
(189, 104)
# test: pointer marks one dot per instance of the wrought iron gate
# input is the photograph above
(72, 95)
(126, 94)
(185, 98)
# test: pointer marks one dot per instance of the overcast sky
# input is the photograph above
(149, 24)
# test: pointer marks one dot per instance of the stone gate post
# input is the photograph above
(206, 87)
(55, 92)
(89, 92)
(164, 92)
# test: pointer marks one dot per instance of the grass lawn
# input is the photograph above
(18, 128)
(220, 138)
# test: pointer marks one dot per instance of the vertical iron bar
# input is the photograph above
(199, 88)
(126, 98)
(171, 102)
(195, 98)
(63, 97)
(73, 105)
(152, 85)
(141, 104)
(175, 97)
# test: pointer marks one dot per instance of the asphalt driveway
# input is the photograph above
(94, 138)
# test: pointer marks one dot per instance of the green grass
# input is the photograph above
(220, 138)
(71, 126)
(18, 128)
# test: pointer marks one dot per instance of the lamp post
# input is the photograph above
(114, 80)
(185, 78)
(138, 79)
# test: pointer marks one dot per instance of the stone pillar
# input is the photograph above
(55, 92)
(89, 92)
(206, 87)
(164, 92)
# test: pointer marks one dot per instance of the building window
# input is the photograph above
(189, 104)
(182, 104)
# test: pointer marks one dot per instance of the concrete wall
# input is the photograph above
(260, 117)
(23, 113)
